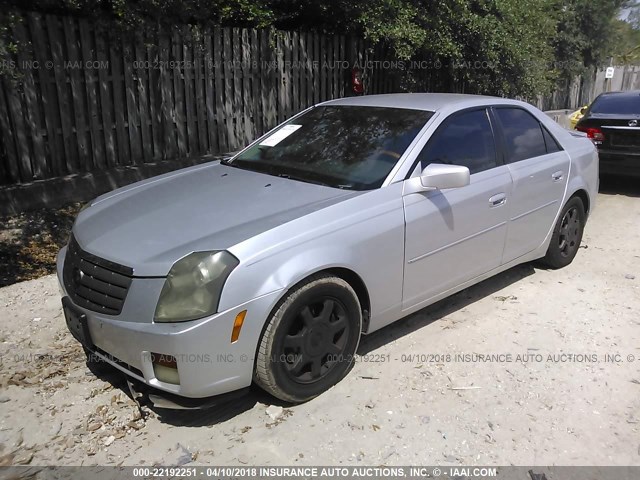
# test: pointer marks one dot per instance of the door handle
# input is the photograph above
(557, 176)
(497, 200)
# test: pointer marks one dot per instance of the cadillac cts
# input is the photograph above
(268, 267)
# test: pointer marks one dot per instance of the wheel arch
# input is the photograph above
(583, 195)
(354, 280)
(358, 285)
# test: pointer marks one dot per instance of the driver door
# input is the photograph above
(455, 235)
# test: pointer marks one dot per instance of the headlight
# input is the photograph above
(193, 287)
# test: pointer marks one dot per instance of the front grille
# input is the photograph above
(94, 283)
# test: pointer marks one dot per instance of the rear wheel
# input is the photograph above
(310, 341)
(567, 235)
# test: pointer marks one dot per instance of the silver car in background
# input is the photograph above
(269, 266)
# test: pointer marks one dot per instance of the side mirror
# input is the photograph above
(438, 176)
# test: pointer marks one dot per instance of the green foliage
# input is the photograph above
(626, 41)
(136, 14)
(397, 22)
(585, 33)
(8, 47)
(128, 17)
(503, 47)
(500, 47)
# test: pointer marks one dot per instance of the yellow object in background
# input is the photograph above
(575, 117)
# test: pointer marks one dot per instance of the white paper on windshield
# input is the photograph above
(280, 135)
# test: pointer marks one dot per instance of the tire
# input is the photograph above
(310, 340)
(567, 235)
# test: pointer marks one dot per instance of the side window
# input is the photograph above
(465, 139)
(552, 144)
(522, 134)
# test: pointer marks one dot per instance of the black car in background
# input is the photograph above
(612, 122)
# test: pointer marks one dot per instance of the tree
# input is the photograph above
(136, 14)
(585, 35)
(500, 47)
(626, 39)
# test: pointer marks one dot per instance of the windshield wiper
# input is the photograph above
(300, 179)
(271, 169)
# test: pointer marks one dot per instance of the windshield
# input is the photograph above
(622, 104)
(340, 146)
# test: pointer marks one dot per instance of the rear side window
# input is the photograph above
(465, 139)
(552, 144)
(522, 134)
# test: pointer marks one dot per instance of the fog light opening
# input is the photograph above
(165, 368)
(237, 326)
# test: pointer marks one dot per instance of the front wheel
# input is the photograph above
(567, 235)
(310, 341)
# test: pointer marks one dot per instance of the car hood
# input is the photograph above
(149, 225)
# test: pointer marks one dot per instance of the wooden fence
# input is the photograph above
(84, 100)
(584, 89)
(80, 99)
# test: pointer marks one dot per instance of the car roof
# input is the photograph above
(416, 101)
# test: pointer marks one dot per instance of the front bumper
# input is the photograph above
(208, 363)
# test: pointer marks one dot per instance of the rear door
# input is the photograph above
(539, 169)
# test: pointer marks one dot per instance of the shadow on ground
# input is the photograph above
(188, 418)
(618, 185)
(29, 242)
(443, 308)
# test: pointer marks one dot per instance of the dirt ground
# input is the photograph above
(562, 385)
(30, 241)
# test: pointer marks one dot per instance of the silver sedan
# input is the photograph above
(268, 267)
